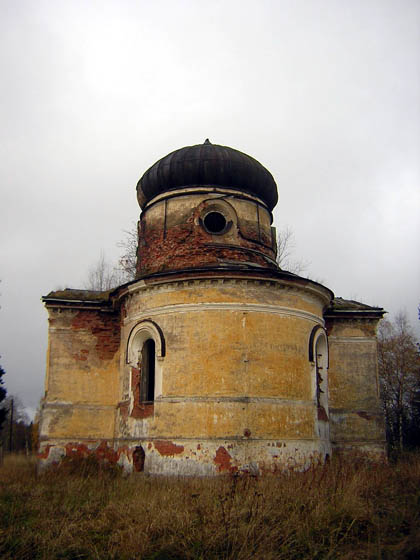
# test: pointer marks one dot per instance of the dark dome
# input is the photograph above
(208, 165)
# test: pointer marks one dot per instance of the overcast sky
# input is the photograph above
(324, 93)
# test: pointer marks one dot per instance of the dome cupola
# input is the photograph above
(208, 165)
(206, 206)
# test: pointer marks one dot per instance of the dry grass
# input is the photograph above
(347, 509)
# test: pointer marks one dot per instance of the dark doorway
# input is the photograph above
(138, 459)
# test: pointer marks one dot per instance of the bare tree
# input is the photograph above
(285, 249)
(3, 393)
(399, 371)
(128, 260)
(103, 276)
(15, 434)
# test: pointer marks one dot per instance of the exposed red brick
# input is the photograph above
(143, 410)
(223, 461)
(167, 448)
(44, 454)
(322, 414)
(77, 450)
(140, 410)
(189, 245)
(106, 329)
(104, 452)
(82, 355)
(135, 383)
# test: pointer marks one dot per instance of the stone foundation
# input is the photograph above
(192, 457)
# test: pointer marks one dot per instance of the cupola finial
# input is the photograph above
(207, 141)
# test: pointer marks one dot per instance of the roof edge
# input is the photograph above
(341, 308)
(74, 296)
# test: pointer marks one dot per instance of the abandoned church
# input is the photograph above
(213, 359)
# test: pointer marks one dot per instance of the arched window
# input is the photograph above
(145, 352)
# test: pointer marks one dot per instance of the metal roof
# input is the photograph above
(209, 165)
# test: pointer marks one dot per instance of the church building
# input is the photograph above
(213, 359)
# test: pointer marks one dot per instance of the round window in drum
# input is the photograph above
(215, 223)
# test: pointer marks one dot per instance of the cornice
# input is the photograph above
(240, 307)
(277, 279)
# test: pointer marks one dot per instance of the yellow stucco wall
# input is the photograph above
(82, 386)
(236, 369)
(236, 359)
(234, 353)
(352, 374)
(77, 423)
(356, 415)
(226, 419)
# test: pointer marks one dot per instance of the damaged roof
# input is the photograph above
(345, 307)
(71, 295)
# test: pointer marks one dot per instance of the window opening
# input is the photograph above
(321, 364)
(215, 222)
(147, 368)
(319, 380)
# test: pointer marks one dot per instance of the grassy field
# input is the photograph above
(347, 509)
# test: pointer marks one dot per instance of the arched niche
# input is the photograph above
(318, 356)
